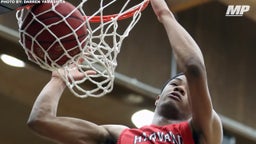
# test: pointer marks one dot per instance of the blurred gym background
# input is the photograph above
(144, 64)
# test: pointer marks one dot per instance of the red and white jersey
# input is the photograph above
(179, 133)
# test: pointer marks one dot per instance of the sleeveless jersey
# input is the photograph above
(169, 134)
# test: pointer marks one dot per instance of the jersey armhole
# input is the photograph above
(122, 133)
(194, 133)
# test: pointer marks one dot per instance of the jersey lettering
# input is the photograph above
(168, 137)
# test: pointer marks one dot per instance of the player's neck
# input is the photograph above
(160, 120)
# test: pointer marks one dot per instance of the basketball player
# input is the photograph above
(183, 115)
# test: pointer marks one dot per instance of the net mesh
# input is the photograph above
(97, 50)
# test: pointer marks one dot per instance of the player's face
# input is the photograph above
(175, 97)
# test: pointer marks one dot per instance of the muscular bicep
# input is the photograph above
(200, 99)
(71, 131)
(205, 121)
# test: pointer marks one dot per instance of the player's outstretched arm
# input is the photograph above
(67, 130)
(189, 58)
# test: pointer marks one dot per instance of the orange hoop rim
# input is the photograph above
(125, 15)
(106, 18)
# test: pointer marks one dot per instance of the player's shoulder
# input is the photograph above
(114, 131)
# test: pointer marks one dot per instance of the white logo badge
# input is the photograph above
(237, 10)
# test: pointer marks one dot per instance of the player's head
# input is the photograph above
(173, 101)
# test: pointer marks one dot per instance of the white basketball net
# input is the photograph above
(98, 50)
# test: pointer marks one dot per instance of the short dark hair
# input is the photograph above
(177, 75)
